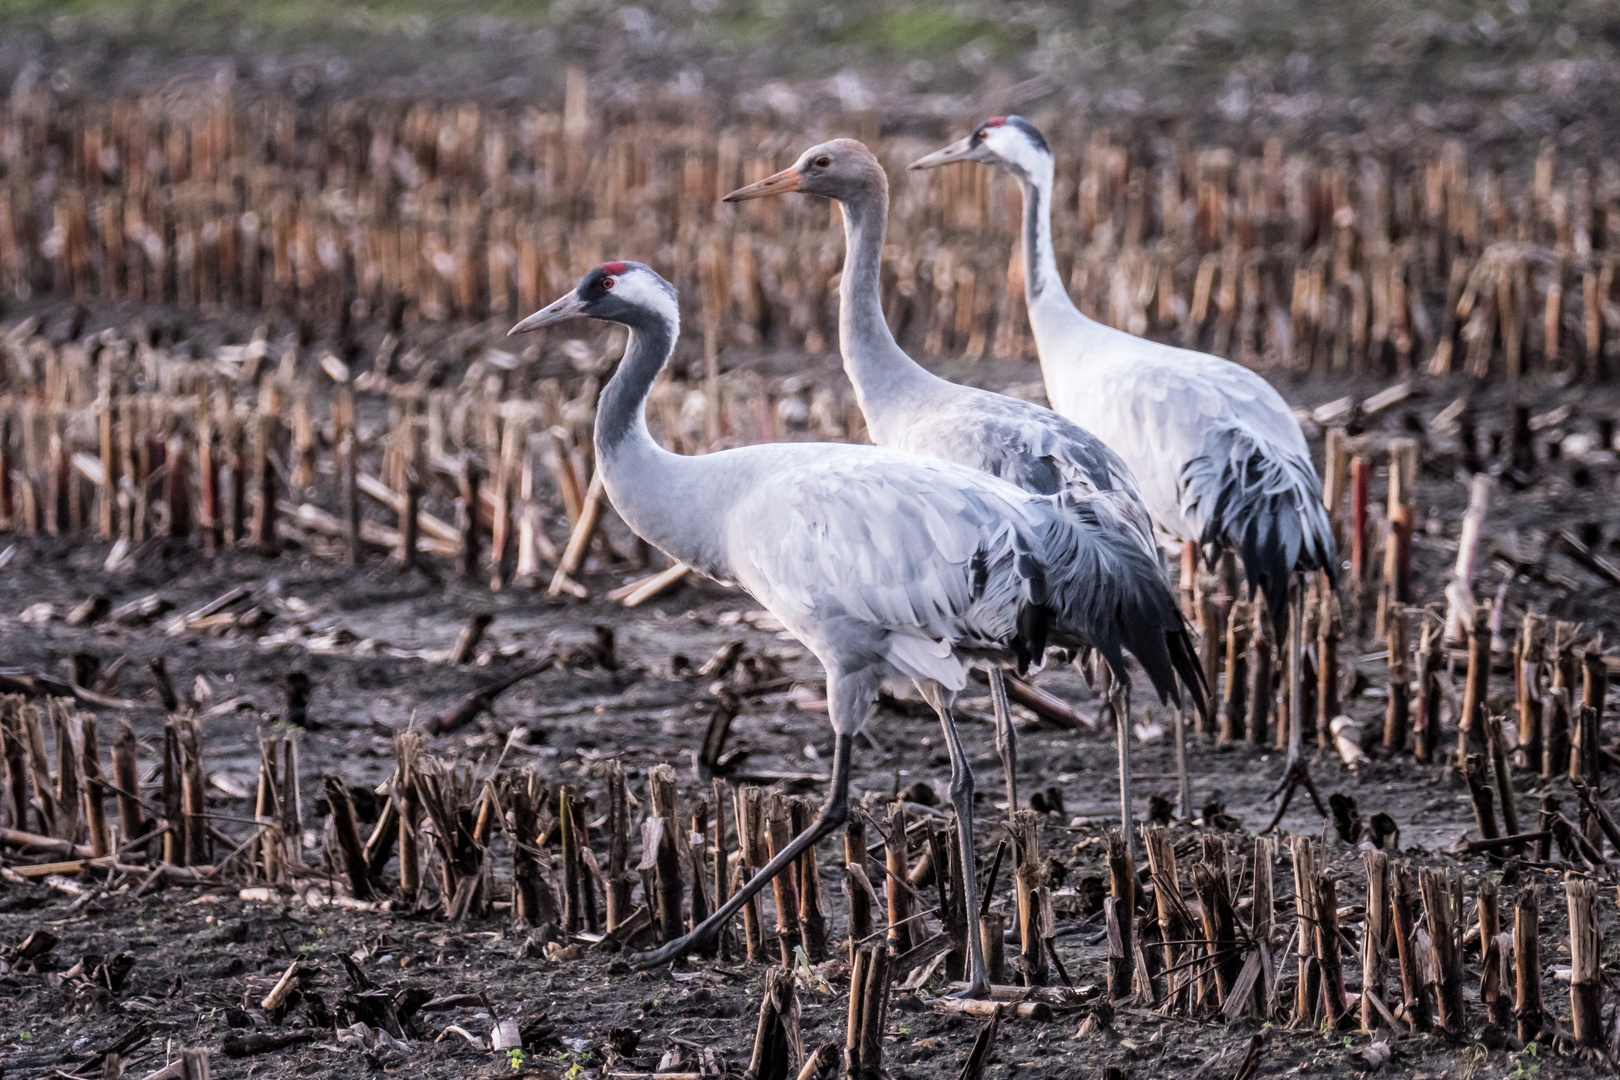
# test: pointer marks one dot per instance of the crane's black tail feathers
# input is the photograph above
(1265, 504)
(1106, 591)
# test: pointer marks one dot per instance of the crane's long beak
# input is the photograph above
(960, 150)
(776, 184)
(561, 309)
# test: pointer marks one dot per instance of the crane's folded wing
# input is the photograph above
(896, 542)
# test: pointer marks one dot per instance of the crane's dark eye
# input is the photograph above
(982, 134)
(822, 162)
(607, 283)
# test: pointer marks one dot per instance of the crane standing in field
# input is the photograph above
(909, 408)
(887, 566)
(1221, 459)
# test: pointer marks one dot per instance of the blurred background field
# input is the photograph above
(1330, 188)
(1500, 75)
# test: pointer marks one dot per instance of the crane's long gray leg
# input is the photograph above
(962, 802)
(1122, 726)
(1296, 771)
(1183, 784)
(1296, 674)
(1006, 737)
(834, 812)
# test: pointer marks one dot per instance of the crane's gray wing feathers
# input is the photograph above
(1266, 503)
(1193, 388)
(1219, 448)
(938, 560)
(932, 553)
(1033, 448)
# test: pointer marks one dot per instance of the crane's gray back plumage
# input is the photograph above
(1030, 446)
(1221, 460)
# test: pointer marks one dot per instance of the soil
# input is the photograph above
(372, 641)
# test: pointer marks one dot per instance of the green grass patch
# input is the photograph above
(920, 31)
(194, 23)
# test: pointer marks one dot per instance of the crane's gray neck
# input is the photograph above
(621, 415)
(886, 380)
(674, 502)
(1041, 280)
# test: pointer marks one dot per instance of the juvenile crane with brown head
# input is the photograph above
(909, 408)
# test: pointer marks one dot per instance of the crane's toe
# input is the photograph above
(978, 989)
(664, 954)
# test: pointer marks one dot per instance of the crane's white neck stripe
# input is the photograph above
(642, 289)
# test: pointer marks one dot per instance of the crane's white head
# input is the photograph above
(631, 293)
(841, 169)
(1011, 142)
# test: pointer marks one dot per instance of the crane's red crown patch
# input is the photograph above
(614, 268)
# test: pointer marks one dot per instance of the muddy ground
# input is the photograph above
(368, 641)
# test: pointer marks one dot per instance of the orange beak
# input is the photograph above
(776, 184)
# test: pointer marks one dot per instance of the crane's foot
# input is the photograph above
(672, 951)
(1296, 774)
(977, 989)
(834, 812)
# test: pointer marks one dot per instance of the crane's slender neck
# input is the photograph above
(621, 415)
(1042, 283)
(884, 377)
(675, 502)
(1060, 328)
